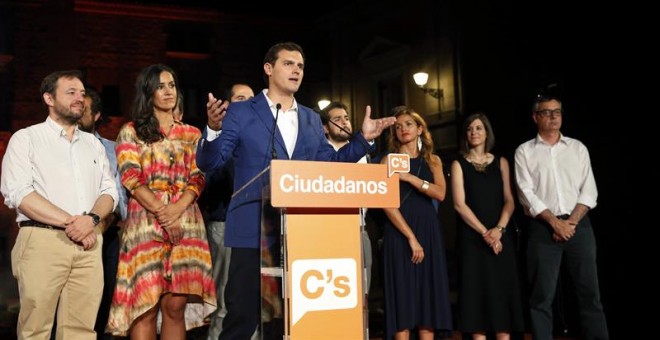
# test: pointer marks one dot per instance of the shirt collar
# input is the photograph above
(562, 139)
(294, 107)
(58, 129)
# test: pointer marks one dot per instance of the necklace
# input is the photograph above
(480, 167)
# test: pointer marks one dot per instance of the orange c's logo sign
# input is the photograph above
(397, 162)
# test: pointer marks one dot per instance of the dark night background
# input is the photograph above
(502, 55)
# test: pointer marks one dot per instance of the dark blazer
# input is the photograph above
(245, 137)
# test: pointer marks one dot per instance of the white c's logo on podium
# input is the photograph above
(322, 285)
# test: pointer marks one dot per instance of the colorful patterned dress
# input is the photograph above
(150, 265)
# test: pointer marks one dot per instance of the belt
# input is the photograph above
(563, 217)
(31, 223)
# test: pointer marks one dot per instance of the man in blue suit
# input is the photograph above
(243, 132)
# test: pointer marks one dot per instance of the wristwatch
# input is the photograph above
(95, 218)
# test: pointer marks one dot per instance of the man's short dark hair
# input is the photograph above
(542, 98)
(325, 113)
(97, 103)
(271, 55)
(50, 81)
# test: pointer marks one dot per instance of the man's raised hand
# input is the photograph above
(216, 110)
(372, 128)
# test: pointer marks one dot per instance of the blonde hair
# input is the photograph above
(427, 142)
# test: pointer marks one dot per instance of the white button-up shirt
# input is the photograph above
(554, 177)
(69, 174)
(287, 123)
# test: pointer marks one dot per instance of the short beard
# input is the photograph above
(66, 114)
(82, 126)
(341, 137)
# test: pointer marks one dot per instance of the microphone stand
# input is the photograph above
(273, 152)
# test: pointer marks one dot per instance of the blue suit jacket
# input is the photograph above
(245, 138)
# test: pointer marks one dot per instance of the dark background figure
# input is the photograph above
(91, 118)
(214, 202)
(557, 189)
(338, 113)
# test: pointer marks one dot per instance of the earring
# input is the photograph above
(419, 143)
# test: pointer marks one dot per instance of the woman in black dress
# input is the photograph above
(415, 270)
(489, 298)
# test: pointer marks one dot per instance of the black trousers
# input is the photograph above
(544, 257)
(242, 294)
(110, 261)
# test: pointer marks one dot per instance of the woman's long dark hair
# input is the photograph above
(464, 146)
(146, 123)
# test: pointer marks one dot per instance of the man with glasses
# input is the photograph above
(557, 189)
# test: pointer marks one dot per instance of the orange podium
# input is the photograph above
(311, 238)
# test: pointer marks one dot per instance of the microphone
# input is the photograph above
(273, 152)
(350, 135)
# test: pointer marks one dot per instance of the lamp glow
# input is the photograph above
(421, 78)
(323, 103)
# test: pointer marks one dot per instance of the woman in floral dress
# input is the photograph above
(164, 271)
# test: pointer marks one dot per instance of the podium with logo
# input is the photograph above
(312, 270)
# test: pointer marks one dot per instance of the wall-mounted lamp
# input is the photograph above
(421, 78)
(323, 103)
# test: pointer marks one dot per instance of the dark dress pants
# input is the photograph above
(544, 258)
(110, 257)
(242, 294)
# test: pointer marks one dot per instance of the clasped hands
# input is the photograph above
(169, 217)
(493, 238)
(80, 229)
(564, 230)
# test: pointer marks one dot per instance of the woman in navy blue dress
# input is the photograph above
(415, 269)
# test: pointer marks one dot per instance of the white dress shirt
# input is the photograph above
(287, 123)
(554, 177)
(69, 174)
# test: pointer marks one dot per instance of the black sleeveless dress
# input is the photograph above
(489, 294)
(416, 294)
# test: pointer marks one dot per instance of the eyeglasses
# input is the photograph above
(548, 113)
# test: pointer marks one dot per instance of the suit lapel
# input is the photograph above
(305, 132)
(260, 106)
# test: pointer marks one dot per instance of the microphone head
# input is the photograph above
(278, 106)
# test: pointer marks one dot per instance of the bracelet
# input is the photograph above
(425, 186)
(501, 229)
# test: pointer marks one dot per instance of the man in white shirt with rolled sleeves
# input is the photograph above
(556, 187)
(58, 179)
